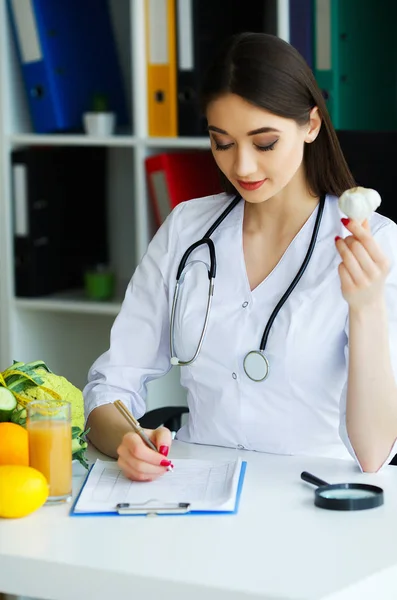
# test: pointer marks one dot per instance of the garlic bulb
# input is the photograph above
(359, 203)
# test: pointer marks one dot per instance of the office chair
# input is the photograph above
(169, 416)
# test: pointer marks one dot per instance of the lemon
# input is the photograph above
(22, 491)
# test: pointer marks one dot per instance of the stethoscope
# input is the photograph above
(256, 365)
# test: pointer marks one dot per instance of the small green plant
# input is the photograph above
(100, 103)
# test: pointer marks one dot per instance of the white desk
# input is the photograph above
(278, 546)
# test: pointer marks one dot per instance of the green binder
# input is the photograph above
(355, 62)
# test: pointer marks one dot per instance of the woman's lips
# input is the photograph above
(251, 185)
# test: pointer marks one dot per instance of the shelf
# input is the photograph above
(71, 302)
(177, 142)
(36, 139)
(117, 140)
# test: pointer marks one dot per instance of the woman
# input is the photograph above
(327, 386)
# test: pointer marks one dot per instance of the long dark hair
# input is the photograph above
(271, 74)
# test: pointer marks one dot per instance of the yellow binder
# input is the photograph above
(161, 68)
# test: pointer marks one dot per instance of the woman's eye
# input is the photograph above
(269, 147)
(219, 146)
(222, 146)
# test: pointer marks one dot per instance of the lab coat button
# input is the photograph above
(234, 375)
(244, 304)
(240, 447)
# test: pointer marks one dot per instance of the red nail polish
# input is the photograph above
(164, 450)
(345, 222)
(165, 463)
(337, 238)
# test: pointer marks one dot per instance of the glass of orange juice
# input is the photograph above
(49, 428)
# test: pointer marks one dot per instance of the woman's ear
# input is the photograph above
(314, 125)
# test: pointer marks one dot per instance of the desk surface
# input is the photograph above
(279, 546)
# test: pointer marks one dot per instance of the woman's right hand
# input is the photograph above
(139, 462)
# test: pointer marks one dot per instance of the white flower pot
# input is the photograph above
(99, 123)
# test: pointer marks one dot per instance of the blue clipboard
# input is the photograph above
(166, 509)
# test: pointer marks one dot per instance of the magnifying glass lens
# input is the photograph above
(344, 496)
(348, 494)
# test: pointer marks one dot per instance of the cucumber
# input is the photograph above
(8, 404)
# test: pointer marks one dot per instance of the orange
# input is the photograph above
(14, 445)
(22, 491)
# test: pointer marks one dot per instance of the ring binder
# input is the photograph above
(151, 507)
(67, 53)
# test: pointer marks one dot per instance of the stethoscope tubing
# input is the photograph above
(211, 275)
(211, 247)
(297, 277)
(206, 240)
(184, 363)
(222, 216)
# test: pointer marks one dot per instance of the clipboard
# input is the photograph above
(155, 507)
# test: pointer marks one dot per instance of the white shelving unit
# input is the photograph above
(68, 331)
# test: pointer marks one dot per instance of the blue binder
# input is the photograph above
(68, 56)
(301, 22)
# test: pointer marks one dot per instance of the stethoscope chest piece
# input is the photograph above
(256, 365)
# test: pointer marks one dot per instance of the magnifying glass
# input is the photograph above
(344, 496)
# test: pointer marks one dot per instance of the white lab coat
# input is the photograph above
(300, 407)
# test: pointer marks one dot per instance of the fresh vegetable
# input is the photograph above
(14, 445)
(8, 404)
(359, 203)
(22, 491)
(35, 381)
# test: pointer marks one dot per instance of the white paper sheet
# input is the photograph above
(206, 485)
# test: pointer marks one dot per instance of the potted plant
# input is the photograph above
(100, 120)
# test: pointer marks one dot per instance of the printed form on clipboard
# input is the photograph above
(193, 487)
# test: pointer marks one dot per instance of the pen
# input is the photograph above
(136, 426)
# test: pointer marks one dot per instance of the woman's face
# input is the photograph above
(259, 152)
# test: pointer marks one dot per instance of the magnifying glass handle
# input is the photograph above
(312, 479)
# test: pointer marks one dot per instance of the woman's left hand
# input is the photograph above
(364, 267)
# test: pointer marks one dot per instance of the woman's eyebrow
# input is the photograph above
(253, 132)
